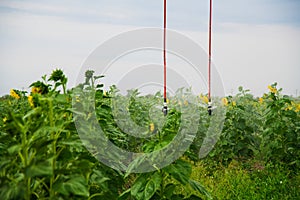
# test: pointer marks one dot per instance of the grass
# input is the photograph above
(239, 181)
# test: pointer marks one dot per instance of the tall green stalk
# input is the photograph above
(53, 138)
(24, 158)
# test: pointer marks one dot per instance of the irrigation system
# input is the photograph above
(165, 106)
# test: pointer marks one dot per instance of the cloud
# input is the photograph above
(257, 11)
(254, 44)
(257, 55)
(182, 15)
(32, 46)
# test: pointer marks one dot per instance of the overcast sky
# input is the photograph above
(255, 42)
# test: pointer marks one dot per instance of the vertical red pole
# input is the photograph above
(164, 52)
(209, 51)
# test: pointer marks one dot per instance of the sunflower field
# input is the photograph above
(42, 156)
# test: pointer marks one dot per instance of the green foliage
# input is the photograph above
(42, 156)
(240, 136)
(255, 181)
(163, 184)
(268, 129)
(281, 130)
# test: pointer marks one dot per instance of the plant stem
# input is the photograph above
(162, 189)
(28, 192)
(25, 162)
(52, 137)
(64, 88)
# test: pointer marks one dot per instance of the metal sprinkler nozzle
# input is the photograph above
(165, 109)
(209, 107)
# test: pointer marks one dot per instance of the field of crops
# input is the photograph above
(43, 156)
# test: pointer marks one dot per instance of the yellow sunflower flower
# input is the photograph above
(151, 127)
(14, 94)
(30, 101)
(35, 90)
(204, 98)
(297, 108)
(225, 101)
(186, 102)
(77, 99)
(289, 108)
(272, 89)
(260, 100)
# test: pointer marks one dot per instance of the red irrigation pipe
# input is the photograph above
(209, 51)
(209, 108)
(164, 52)
(165, 106)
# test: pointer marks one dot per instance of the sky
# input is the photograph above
(255, 42)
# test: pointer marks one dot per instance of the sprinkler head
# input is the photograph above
(209, 108)
(165, 109)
